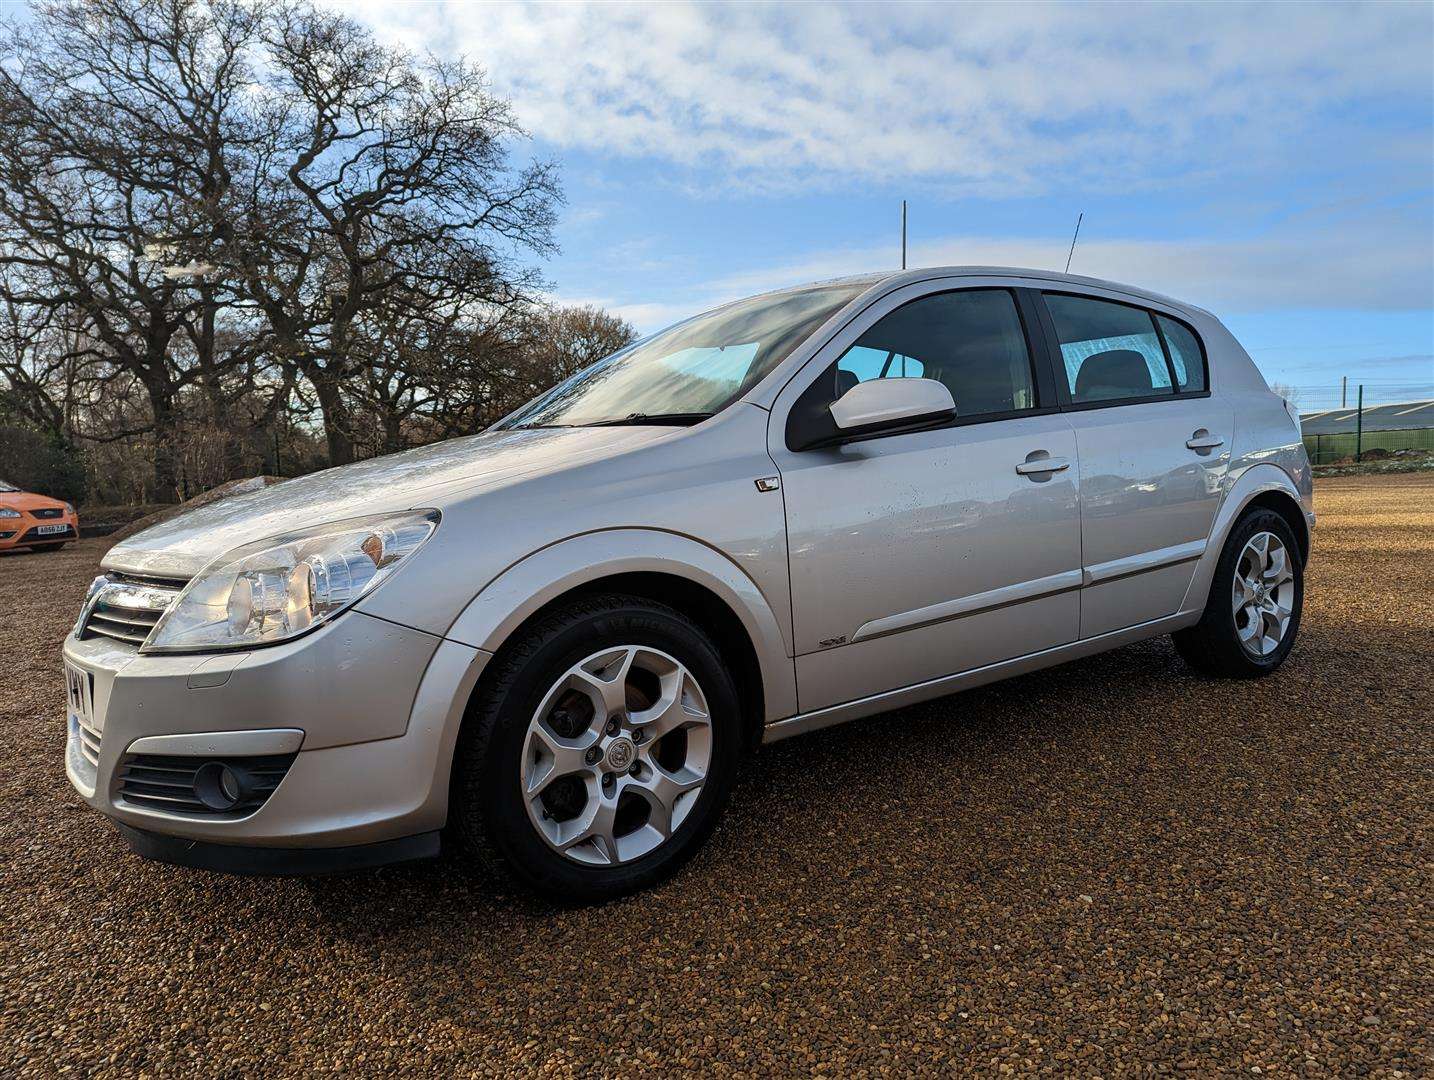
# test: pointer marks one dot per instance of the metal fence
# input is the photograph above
(1311, 398)
(1327, 449)
(1358, 434)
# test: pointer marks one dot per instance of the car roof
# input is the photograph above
(896, 278)
(1044, 275)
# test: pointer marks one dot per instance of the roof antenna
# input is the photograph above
(1073, 240)
(903, 234)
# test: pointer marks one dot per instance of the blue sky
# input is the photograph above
(1273, 162)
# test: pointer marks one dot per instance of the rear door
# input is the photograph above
(1154, 448)
(926, 553)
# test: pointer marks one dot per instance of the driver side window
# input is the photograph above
(867, 363)
(972, 341)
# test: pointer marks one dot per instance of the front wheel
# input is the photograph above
(1253, 612)
(600, 752)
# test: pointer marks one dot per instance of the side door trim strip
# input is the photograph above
(1143, 561)
(970, 605)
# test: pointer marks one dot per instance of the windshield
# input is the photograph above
(7, 487)
(690, 371)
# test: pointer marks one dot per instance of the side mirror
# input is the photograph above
(880, 404)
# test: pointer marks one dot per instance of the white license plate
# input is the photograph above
(79, 693)
(50, 530)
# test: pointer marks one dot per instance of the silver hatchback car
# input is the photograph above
(552, 643)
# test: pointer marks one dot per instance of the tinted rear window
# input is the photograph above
(1110, 351)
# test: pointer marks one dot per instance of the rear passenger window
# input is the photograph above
(972, 341)
(1185, 355)
(1111, 351)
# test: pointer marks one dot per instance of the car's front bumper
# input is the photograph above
(276, 861)
(365, 713)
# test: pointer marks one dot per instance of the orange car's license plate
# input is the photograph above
(50, 530)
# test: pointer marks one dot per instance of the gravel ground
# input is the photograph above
(1106, 868)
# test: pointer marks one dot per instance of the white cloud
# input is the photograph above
(974, 98)
(1362, 262)
(644, 316)
(1008, 100)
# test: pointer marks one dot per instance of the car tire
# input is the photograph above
(1247, 632)
(535, 698)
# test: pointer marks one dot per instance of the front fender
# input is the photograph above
(514, 595)
(1249, 485)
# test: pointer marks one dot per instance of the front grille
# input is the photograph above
(163, 782)
(122, 623)
(48, 512)
(44, 538)
(83, 750)
(89, 743)
(147, 579)
(126, 609)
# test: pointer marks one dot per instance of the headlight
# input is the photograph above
(69, 510)
(5, 511)
(279, 588)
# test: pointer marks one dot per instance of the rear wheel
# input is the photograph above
(1253, 613)
(599, 753)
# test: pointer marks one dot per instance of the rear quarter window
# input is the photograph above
(1186, 357)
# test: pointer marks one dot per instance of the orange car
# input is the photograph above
(35, 522)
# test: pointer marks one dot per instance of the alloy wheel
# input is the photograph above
(616, 755)
(1263, 594)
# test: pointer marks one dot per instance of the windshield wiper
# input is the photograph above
(676, 419)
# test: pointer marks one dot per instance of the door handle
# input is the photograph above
(1202, 440)
(1042, 466)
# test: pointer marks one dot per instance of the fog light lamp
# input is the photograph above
(220, 786)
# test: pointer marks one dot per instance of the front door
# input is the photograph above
(927, 553)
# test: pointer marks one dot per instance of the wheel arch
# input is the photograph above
(1264, 485)
(665, 567)
(1287, 507)
(704, 607)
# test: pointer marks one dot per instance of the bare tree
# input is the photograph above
(564, 340)
(401, 351)
(382, 173)
(38, 360)
(115, 135)
(491, 364)
(1286, 391)
(244, 234)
